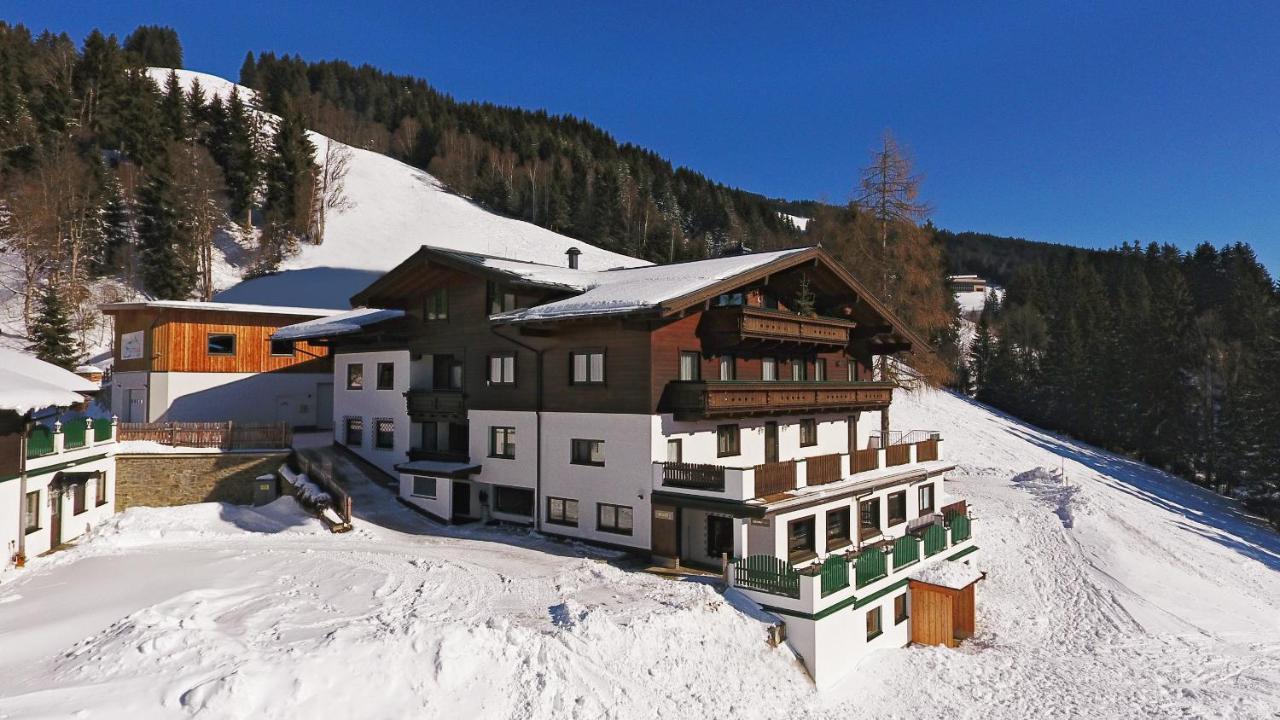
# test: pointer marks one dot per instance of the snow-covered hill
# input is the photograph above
(394, 209)
(1114, 591)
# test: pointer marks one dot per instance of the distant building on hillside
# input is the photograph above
(723, 414)
(204, 361)
(57, 476)
(967, 283)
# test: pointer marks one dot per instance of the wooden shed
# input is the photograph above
(942, 612)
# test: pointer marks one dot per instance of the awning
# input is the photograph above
(438, 468)
(725, 507)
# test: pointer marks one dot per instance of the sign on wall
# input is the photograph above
(131, 345)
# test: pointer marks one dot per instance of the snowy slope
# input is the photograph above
(394, 209)
(1114, 591)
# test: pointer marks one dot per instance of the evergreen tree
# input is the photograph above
(51, 337)
(173, 108)
(167, 266)
(155, 45)
(117, 228)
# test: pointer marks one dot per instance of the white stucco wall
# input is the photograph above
(698, 439)
(121, 383)
(370, 403)
(218, 397)
(440, 506)
(73, 525)
(833, 646)
(625, 479)
(520, 471)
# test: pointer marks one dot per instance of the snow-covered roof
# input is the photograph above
(437, 467)
(219, 307)
(624, 290)
(87, 369)
(28, 383)
(341, 324)
(948, 574)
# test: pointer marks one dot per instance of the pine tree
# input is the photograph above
(173, 110)
(981, 351)
(117, 228)
(155, 45)
(51, 338)
(805, 297)
(167, 266)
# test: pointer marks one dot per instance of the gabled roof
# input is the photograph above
(217, 307)
(346, 323)
(28, 383)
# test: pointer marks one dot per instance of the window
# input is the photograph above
(586, 452)
(424, 487)
(384, 433)
(355, 432)
(869, 518)
(613, 518)
(926, 499)
(386, 376)
(283, 348)
(690, 368)
(502, 369)
(808, 432)
(100, 490)
(852, 370)
(429, 436)
(728, 440)
(78, 491)
(873, 623)
(820, 370)
(800, 539)
(769, 368)
(513, 501)
(501, 299)
(900, 609)
(897, 508)
(675, 451)
(562, 511)
(728, 368)
(730, 299)
(436, 305)
(798, 370)
(222, 344)
(837, 528)
(446, 372)
(31, 512)
(587, 367)
(502, 442)
(355, 376)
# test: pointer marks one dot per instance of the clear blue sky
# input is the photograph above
(1075, 122)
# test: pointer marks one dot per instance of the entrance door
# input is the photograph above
(324, 406)
(55, 517)
(461, 499)
(666, 520)
(136, 405)
(771, 442)
(719, 536)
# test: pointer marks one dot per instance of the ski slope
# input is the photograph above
(393, 209)
(1114, 591)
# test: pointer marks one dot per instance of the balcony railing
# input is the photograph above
(762, 481)
(52, 443)
(696, 399)
(723, 327)
(433, 403)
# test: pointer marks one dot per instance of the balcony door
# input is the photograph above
(719, 536)
(771, 442)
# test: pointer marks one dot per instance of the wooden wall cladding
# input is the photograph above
(178, 341)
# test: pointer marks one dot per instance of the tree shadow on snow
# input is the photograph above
(1206, 513)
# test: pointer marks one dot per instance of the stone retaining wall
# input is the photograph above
(158, 480)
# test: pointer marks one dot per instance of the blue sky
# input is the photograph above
(1075, 122)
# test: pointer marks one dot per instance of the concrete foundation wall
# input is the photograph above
(182, 479)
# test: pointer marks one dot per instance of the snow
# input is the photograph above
(312, 494)
(222, 307)
(1155, 599)
(394, 209)
(973, 302)
(340, 324)
(28, 383)
(955, 575)
(801, 223)
(635, 289)
(435, 466)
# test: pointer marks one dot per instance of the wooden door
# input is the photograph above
(719, 536)
(324, 406)
(461, 499)
(771, 442)
(664, 538)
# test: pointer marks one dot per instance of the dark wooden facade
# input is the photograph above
(176, 340)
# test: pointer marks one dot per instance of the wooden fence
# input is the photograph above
(321, 473)
(222, 435)
(767, 574)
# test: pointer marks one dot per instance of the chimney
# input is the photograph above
(573, 254)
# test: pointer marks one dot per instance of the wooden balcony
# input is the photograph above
(693, 476)
(774, 478)
(822, 469)
(697, 399)
(435, 404)
(729, 327)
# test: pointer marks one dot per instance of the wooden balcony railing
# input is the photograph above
(693, 476)
(897, 455)
(822, 469)
(927, 450)
(689, 400)
(723, 327)
(774, 478)
(435, 403)
(865, 460)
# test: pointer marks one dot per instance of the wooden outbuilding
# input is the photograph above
(942, 606)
